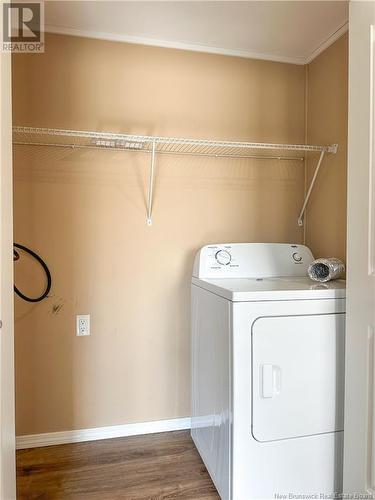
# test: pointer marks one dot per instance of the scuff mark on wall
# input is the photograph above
(56, 308)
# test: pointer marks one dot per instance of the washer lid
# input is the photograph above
(282, 288)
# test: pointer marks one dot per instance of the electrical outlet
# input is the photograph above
(83, 325)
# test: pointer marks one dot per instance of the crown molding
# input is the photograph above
(114, 37)
(330, 40)
(137, 40)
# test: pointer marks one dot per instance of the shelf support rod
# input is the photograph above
(302, 213)
(151, 185)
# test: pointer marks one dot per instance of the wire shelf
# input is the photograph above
(167, 145)
(154, 145)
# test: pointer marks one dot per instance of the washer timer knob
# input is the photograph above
(297, 257)
(223, 257)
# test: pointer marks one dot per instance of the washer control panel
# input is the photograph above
(252, 260)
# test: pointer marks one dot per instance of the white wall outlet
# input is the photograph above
(83, 325)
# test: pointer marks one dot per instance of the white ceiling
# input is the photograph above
(288, 31)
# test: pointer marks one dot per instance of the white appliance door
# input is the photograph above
(298, 376)
(359, 449)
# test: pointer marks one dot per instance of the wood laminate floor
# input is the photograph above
(154, 466)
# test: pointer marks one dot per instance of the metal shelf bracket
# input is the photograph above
(329, 149)
(151, 184)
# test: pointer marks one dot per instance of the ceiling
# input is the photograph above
(287, 31)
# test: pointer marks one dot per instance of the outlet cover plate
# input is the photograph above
(83, 325)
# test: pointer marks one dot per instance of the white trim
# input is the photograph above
(7, 417)
(330, 40)
(113, 431)
(247, 54)
(371, 220)
(114, 37)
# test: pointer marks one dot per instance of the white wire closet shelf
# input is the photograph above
(31, 136)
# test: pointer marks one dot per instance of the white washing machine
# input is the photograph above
(268, 372)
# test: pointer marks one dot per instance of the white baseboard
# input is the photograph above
(113, 431)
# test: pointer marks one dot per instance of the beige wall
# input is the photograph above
(327, 123)
(84, 212)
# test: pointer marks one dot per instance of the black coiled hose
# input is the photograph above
(16, 256)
